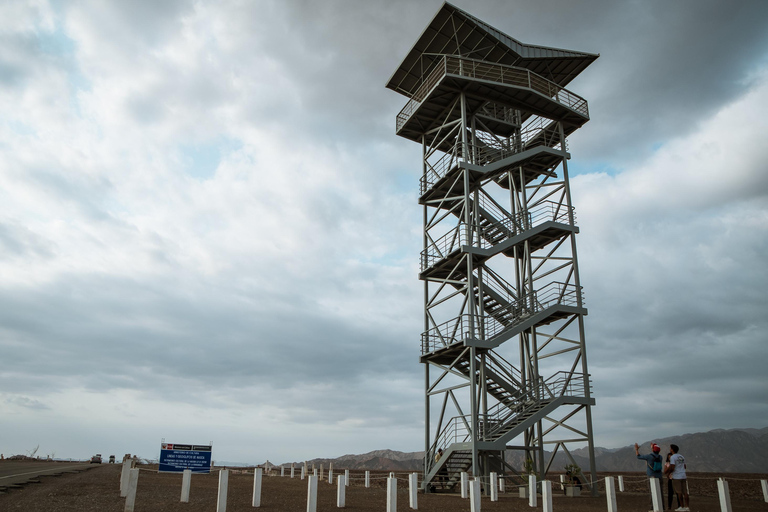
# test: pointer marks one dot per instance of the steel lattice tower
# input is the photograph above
(503, 345)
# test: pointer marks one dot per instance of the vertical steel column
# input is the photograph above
(579, 301)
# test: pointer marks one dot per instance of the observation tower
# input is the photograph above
(503, 345)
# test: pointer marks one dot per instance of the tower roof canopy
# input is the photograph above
(455, 32)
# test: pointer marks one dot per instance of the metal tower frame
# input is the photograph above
(503, 345)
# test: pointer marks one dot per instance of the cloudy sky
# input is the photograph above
(209, 230)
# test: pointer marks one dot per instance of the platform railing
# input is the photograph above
(499, 73)
(481, 236)
(488, 150)
(463, 327)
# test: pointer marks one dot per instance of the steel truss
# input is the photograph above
(503, 345)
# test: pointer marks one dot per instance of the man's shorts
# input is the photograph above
(679, 486)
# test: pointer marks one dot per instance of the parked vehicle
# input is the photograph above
(111, 459)
(96, 459)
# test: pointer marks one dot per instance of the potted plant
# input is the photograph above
(572, 480)
(528, 470)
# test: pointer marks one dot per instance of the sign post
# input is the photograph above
(175, 458)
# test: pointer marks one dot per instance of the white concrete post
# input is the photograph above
(501, 485)
(268, 466)
(764, 485)
(221, 500)
(546, 495)
(346, 477)
(312, 494)
(532, 496)
(494, 486)
(303, 471)
(133, 482)
(725, 495)
(314, 472)
(322, 474)
(330, 476)
(127, 465)
(391, 493)
(341, 487)
(282, 470)
(562, 482)
(186, 481)
(621, 483)
(368, 479)
(292, 469)
(257, 488)
(413, 490)
(610, 494)
(464, 480)
(658, 506)
(474, 495)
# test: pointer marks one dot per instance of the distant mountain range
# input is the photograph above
(723, 451)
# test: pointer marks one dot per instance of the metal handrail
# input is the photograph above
(480, 236)
(457, 329)
(499, 73)
(493, 423)
(489, 150)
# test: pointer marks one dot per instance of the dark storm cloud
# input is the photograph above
(664, 66)
(93, 327)
(160, 303)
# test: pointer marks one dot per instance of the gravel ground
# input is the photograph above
(99, 490)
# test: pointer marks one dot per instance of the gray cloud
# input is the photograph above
(285, 285)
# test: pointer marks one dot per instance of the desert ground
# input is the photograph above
(98, 489)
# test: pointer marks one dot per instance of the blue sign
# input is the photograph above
(175, 458)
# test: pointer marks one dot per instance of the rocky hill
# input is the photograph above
(717, 451)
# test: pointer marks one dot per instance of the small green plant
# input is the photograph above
(529, 468)
(571, 471)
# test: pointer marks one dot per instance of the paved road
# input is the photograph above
(18, 472)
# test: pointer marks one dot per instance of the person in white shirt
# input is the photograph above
(676, 472)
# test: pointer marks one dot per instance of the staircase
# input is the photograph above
(516, 411)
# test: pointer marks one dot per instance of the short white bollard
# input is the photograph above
(346, 477)
(221, 500)
(621, 483)
(340, 492)
(464, 480)
(532, 496)
(186, 482)
(391, 493)
(303, 471)
(764, 485)
(725, 495)
(312, 494)
(322, 474)
(314, 472)
(501, 486)
(292, 468)
(133, 482)
(330, 476)
(658, 505)
(257, 488)
(474, 495)
(610, 494)
(367, 479)
(562, 482)
(546, 495)
(494, 486)
(126, 470)
(282, 470)
(413, 490)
